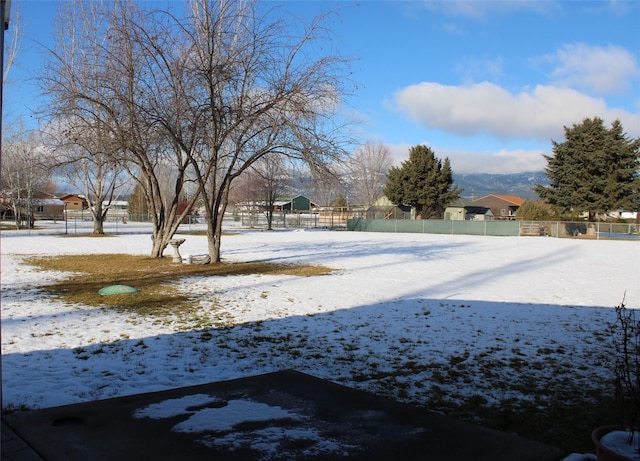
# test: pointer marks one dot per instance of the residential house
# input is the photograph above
(48, 207)
(117, 205)
(502, 206)
(43, 206)
(621, 214)
(296, 203)
(75, 202)
(383, 208)
(466, 209)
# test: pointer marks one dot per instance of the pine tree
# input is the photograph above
(534, 211)
(138, 206)
(595, 170)
(423, 182)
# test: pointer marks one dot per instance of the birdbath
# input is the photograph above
(175, 243)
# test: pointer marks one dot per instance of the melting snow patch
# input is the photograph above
(279, 441)
(174, 407)
(579, 457)
(235, 412)
(275, 431)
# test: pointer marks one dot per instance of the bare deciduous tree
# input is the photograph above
(206, 96)
(78, 132)
(87, 158)
(26, 175)
(104, 75)
(327, 186)
(266, 94)
(368, 170)
(270, 180)
(15, 38)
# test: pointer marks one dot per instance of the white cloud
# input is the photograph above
(603, 70)
(466, 161)
(473, 69)
(485, 9)
(501, 162)
(485, 108)
(400, 152)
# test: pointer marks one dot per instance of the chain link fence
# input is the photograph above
(580, 229)
(336, 218)
(559, 229)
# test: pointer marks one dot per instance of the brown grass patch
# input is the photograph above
(154, 277)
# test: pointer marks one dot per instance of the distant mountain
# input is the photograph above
(478, 185)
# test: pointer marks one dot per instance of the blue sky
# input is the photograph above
(487, 84)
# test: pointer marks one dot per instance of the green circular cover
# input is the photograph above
(117, 290)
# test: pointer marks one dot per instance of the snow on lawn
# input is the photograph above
(409, 316)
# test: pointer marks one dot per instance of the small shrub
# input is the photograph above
(627, 363)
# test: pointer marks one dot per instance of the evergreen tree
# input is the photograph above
(595, 170)
(423, 182)
(340, 202)
(138, 206)
(533, 211)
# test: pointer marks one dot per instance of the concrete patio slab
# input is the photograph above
(285, 415)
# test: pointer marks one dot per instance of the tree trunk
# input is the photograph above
(18, 217)
(214, 225)
(159, 243)
(214, 234)
(217, 238)
(211, 247)
(99, 217)
(270, 218)
(98, 224)
(160, 237)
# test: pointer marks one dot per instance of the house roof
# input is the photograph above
(383, 201)
(279, 201)
(512, 199)
(49, 201)
(115, 204)
(469, 206)
(478, 210)
(385, 209)
(462, 202)
(72, 197)
(288, 198)
(43, 201)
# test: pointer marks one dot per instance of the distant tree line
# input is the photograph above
(595, 170)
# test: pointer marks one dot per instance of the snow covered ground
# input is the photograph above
(409, 316)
